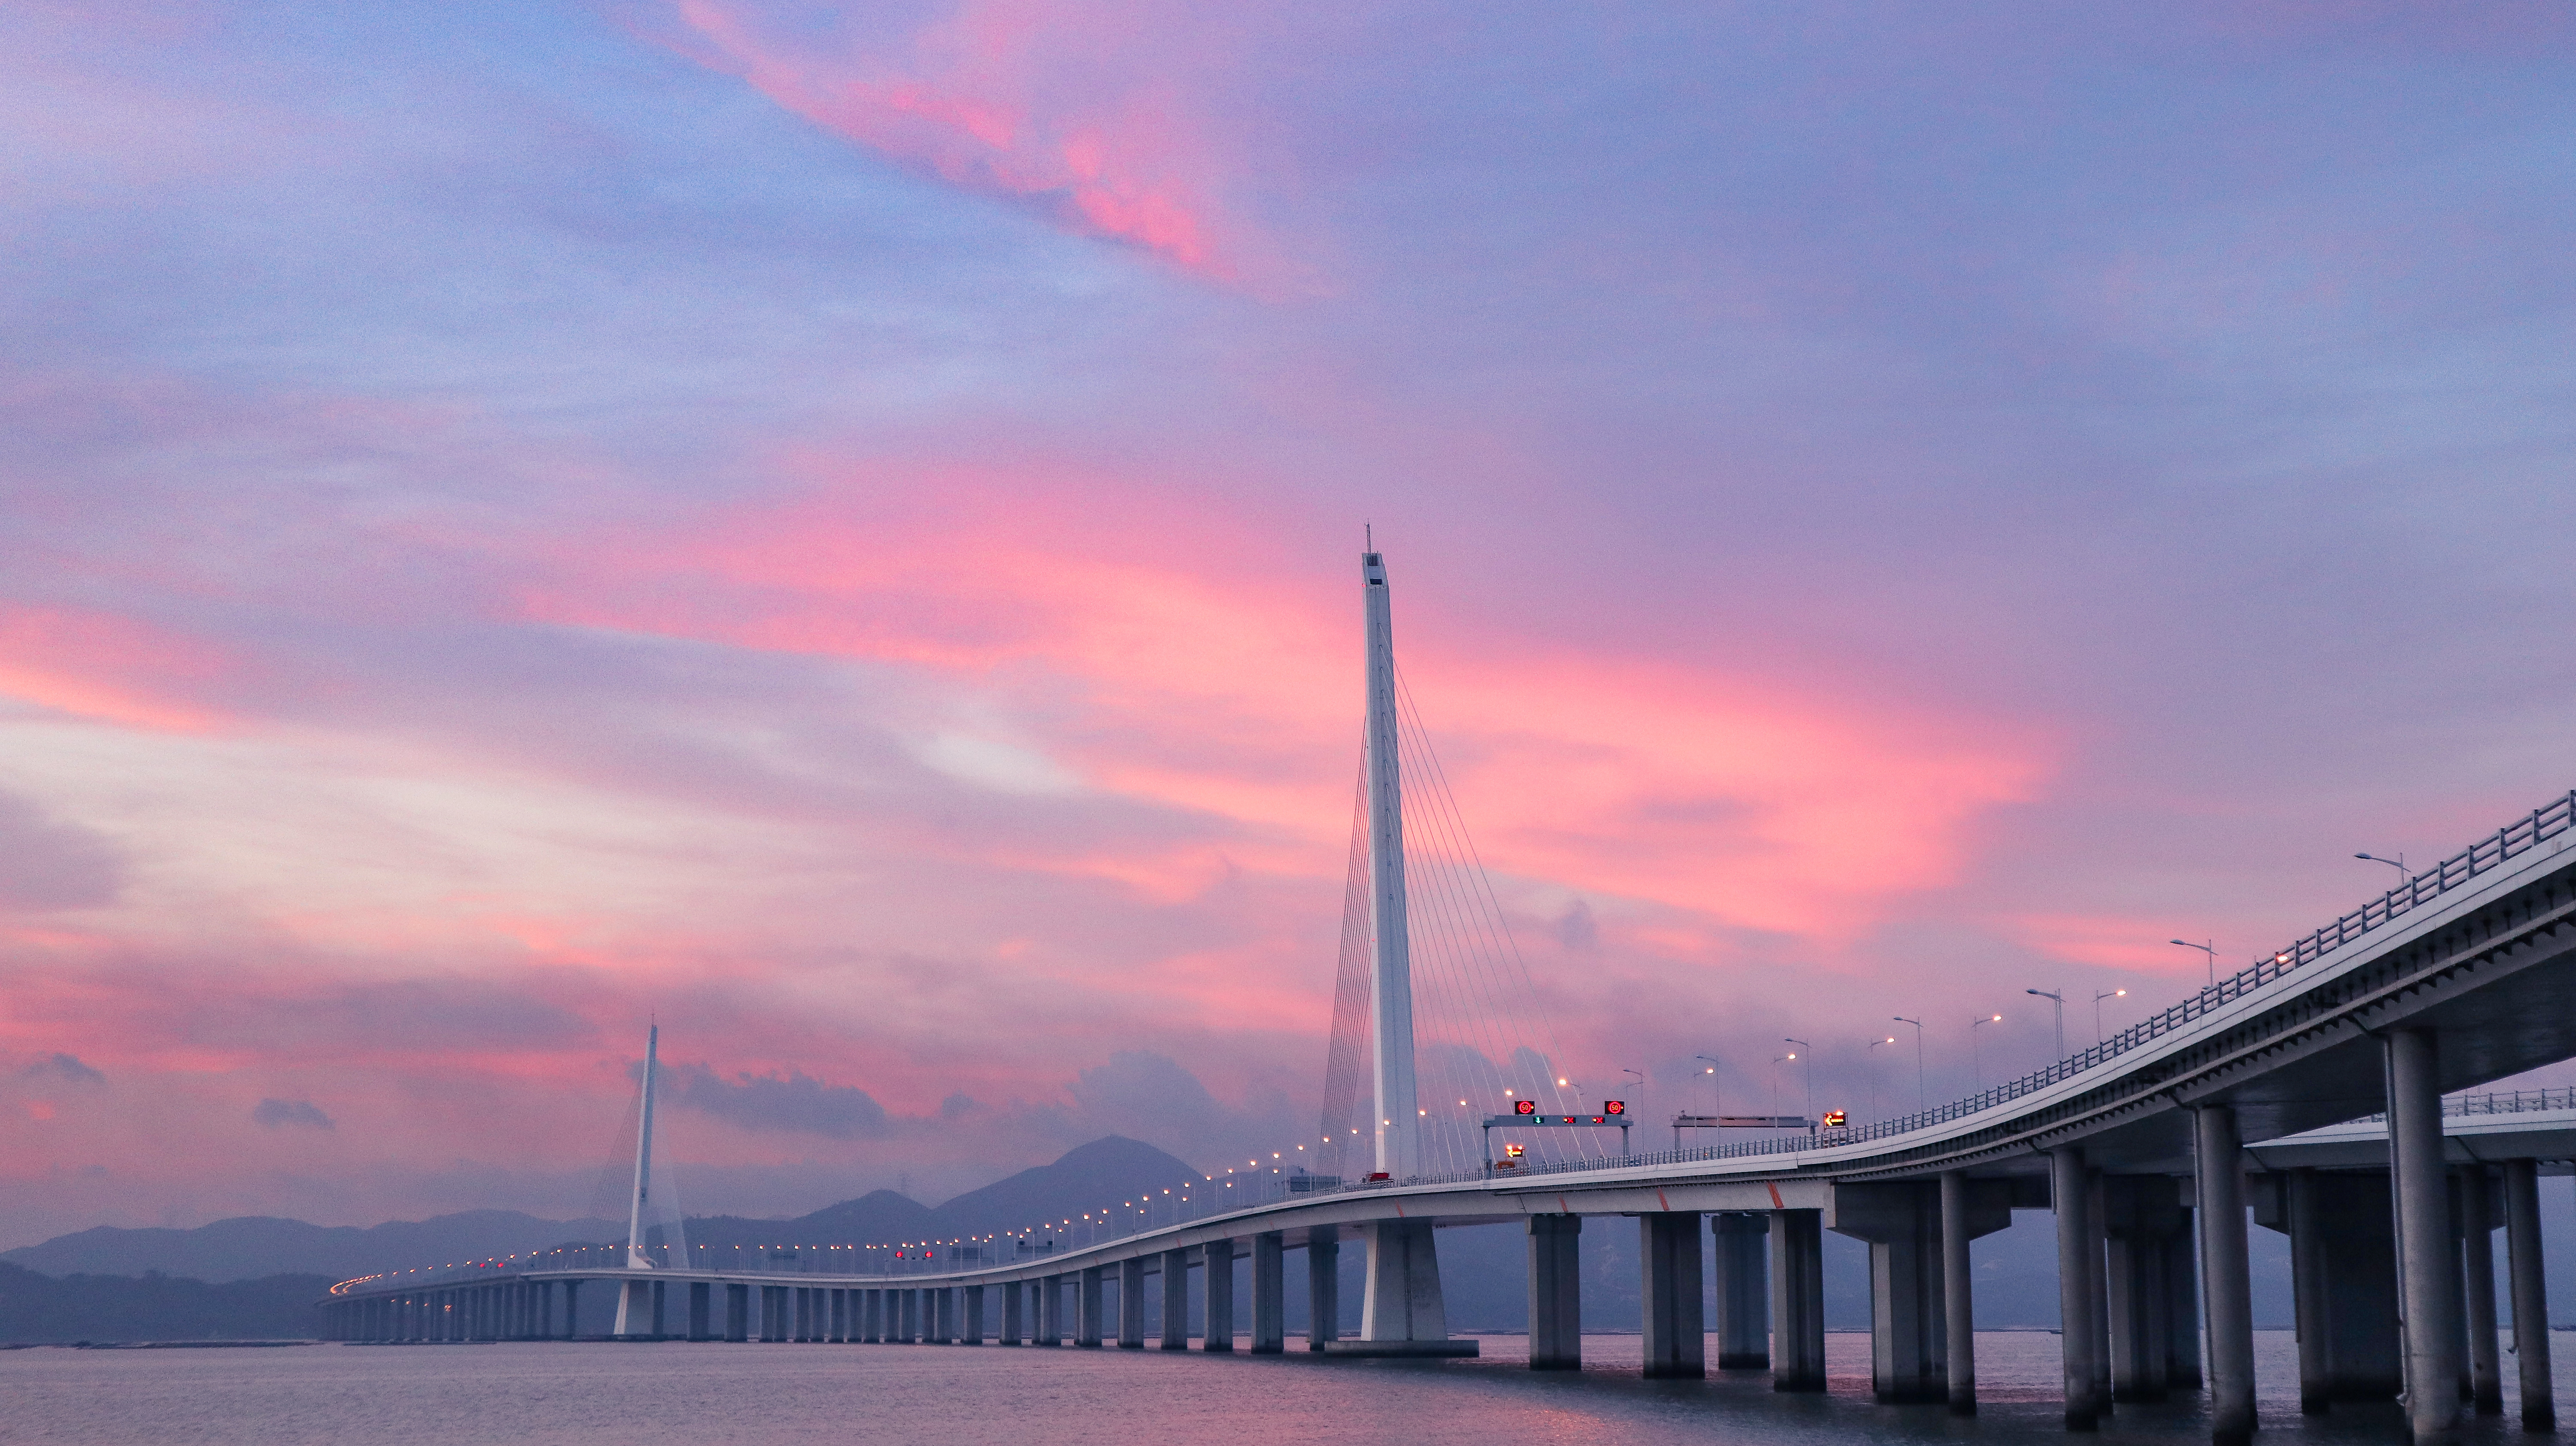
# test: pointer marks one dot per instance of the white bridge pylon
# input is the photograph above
(1398, 1131)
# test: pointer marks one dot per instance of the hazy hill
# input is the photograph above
(1107, 1170)
(40, 1308)
(251, 1246)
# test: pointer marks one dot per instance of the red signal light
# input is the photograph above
(1524, 1107)
(1614, 1107)
(1834, 1119)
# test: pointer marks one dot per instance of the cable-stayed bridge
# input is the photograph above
(2148, 1148)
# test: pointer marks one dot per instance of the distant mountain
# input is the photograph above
(252, 1246)
(39, 1308)
(1104, 1172)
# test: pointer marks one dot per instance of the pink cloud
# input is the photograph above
(110, 669)
(1207, 674)
(1063, 104)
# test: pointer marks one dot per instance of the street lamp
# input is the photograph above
(2210, 949)
(1716, 1086)
(1976, 1060)
(2059, 1000)
(1811, 1073)
(2097, 1009)
(1922, 1096)
(2398, 863)
(1641, 1094)
(1873, 1074)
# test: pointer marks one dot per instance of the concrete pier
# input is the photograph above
(1323, 1287)
(1402, 1301)
(2477, 1296)
(2343, 1283)
(1269, 1293)
(737, 1311)
(1908, 1272)
(1675, 1331)
(1797, 1300)
(2070, 1192)
(1555, 1293)
(974, 1334)
(1131, 1303)
(1743, 1291)
(1051, 1311)
(1014, 1312)
(2218, 1160)
(1958, 1292)
(1086, 1308)
(2142, 1221)
(2530, 1293)
(2428, 1276)
(1216, 1295)
(1176, 1300)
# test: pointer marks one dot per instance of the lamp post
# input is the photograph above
(2059, 1000)
(2210, 949)
(2097, 1009)
(1716, 1086)
(1976, 1059)
(1810, 1063)
(1922, 1096)
(1866, 1057)
(1640, 1077)
(2398, 863)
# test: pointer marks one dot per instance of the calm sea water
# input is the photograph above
(712, 1395)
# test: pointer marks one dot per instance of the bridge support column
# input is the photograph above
(2182, 1308)
(1674, 1330)
(2530, 1292)
(1216, 1296)
(700, 1304)
(1323, 1286)
(2070, 1193)
(916, 1315)
(1269, 1293)
(2142, 1216)
(2343, 1283)
(737, 1313)
(1051, 1311)
(2477, 1260)
(2218, 1158)
(1402, 1301)
(945, 1333)
(2099, 1258)
(1743, 1292)
(1086, 1308)
(2428, 1276)
(1797, 1300)
(572, 1309)
(1131, 1303)
(1015, 1314)
(1176, 1300)
(1958, 1292)
(1555, 1293)
(1909, 1311)
(975, 1313)
(843, 1327)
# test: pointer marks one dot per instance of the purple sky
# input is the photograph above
(837, 531)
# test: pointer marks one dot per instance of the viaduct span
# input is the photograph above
(2148, 1148)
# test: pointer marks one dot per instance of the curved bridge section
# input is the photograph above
(2462, 976)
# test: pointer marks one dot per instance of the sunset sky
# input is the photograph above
(837, 529)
